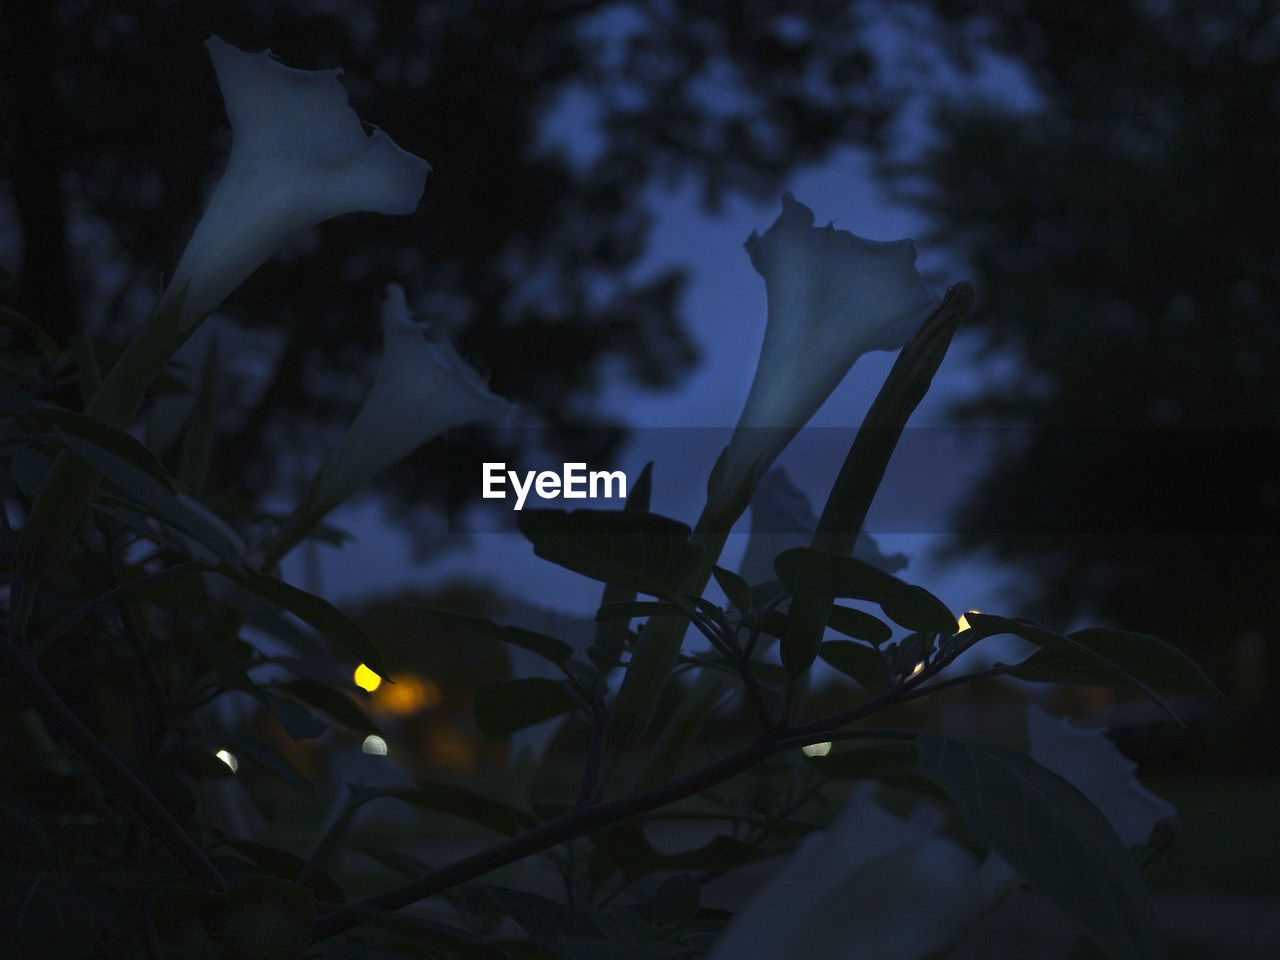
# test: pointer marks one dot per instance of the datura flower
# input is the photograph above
(871, 885)
(832, 297)
(299, 156)
(1102, 773)
(782, 518)
(422, 388)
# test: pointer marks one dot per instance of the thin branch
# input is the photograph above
(999, 670)
(768, 724)
(757, 819)
(730, 651)
(574, 823)
(837, 720)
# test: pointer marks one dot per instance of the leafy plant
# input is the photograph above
(169, 695)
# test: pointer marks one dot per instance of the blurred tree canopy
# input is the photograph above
(1124, 237)
(113, 133)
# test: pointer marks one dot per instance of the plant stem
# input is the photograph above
(658, 647)
(71, 482)
(574, 823)
(868, 458)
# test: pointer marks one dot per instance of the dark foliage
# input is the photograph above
(1123, 236)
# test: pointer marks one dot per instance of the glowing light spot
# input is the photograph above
(409, 694)
(374, 744)
(963, 623)
(817, 749)
(366, 679)
(229, 758)
(917, 668)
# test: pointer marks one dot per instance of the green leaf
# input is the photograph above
(611, 635)
(913, 650)
(549, 648)
(52, 914)
(807, 572)
(29, 468)
(772, 677)
(1150, 659)
(47, 346)
(1059, 841)
(139, 486)
(504, 706)
(14, 402)
(111, 439)
(676, 902)
(456, 801)
(90, 372)
(286, 866)
(1064, 656)
(641, 551)
(859, 624)
(542, 917)
(625, 849)
(313, 610)
(333, 702)
(862, 663)
(774, 623)
(734, 587)
(297, 721)
(197, 439)
(866, 761)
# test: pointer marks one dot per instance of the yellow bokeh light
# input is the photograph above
(408, 695)
(366, 679)
(917, 668)
(963, 623)
(817, 749)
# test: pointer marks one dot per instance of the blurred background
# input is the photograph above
(1104, 436)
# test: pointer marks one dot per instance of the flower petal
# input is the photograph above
(832, 296)
(1102, 773)
(422, 389)
(892, 887)
(782, 518)
(299, 156)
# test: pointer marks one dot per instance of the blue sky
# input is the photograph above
(725, 306)
(725, 310)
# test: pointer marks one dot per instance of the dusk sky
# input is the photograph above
(725, 310)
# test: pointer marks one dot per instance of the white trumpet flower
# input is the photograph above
(1098, 770)
(871, 886)
(832, 297)
(299, 156)
(422, 389)
(782, 518)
